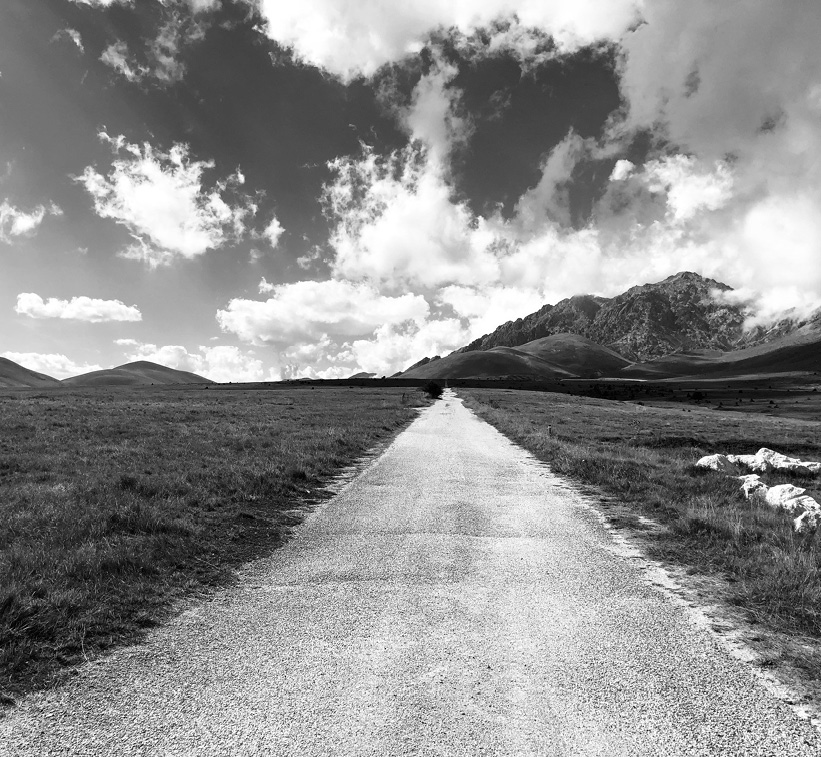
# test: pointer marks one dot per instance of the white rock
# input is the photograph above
(808, 521)
(753, 486)
(781, 462)
(766, 460)
(785, 496)
(718, 463)
(748, 461)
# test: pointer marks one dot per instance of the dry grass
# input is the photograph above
(644, 457)
(114, 504)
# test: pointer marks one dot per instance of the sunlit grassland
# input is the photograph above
(116, 503)
(644, 457)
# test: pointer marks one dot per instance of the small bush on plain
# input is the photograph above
(433, 390)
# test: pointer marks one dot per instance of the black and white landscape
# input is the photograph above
(436, 377)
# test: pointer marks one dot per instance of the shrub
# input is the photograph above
(433, 390)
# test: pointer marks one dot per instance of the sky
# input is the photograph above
(261, 190)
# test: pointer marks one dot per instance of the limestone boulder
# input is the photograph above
(752, 486)
(784, 496)
(718, 463)
(766, 460)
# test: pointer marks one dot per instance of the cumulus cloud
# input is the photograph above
(164, 202)
(15, 222)
(55, 365)
(621, 170)
(326, 329)
(272, 232)
(76, 309)
(219, 363)
(305, 311)
(356, 37)
(397, 224)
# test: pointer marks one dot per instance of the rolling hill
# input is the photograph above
(13, 375)
(499, 362)
(140, 373)
(576, 354)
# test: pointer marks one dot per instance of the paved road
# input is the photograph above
(455, 599)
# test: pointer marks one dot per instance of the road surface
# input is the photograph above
(454, 599)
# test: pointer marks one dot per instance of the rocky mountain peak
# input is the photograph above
(647, 321)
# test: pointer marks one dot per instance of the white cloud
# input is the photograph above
(76, 309)
(272, 232)
(355, 37)
(765, 308)
(489, 307)
(265, 287)
(220, 363)
(688, 189)
(621, 170)
(431, 117)
(305, 311)
(163, 201)
(54, 365)
(15, 222)
(396, 224)
(117, 57)
(71, 34)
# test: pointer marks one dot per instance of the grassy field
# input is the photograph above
(116, 503)
(643, 457)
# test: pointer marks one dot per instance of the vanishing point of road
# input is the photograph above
(455, 598)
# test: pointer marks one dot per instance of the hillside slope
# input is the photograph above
(140, 373)
(576, 354)
(500, 362)
(14, 375)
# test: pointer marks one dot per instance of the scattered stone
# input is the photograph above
(718, 463)
(808, 521)
(752, 485)
(785, 496)
(766, 460)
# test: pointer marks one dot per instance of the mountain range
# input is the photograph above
(683, 326)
